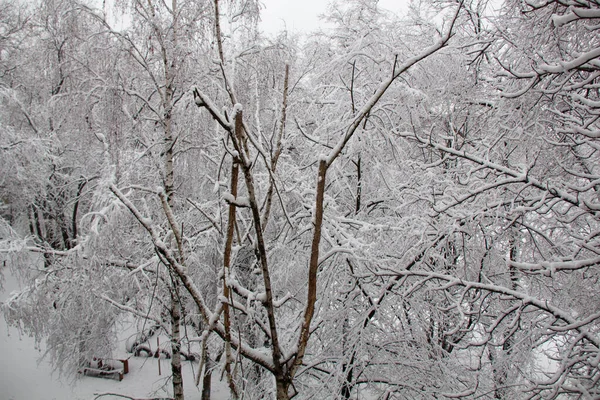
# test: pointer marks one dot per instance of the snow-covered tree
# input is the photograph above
(391, 208)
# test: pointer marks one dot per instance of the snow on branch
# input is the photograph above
(564, 66)
(384, 86)
(133, 311)
(548, 268)
(519, 176)
(574, 14)
(203, 100)
(239, 201)
(525, 299)
(180, 270)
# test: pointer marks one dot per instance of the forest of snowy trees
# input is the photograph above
(392, 208)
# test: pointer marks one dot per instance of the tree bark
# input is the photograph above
(176, 346)
(226, 267)
(207, 377)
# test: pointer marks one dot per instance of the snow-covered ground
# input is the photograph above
(22, 377)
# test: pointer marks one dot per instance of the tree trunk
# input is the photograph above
(282, 388)
(207, 377)
(176, 346)
(226, 267)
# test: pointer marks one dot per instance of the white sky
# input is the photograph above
(295, 16)
(303, 15)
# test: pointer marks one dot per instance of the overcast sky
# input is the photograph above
(303, 15)
(277, 15)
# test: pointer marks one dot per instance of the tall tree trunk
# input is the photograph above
(207, 377)
(175, 303)
(170, 67)
(176, 346)
(226, 267)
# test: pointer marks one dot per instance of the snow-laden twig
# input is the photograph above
(210, 318)
(544, 305)
(548, 268)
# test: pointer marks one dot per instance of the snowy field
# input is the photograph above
(23, 377)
